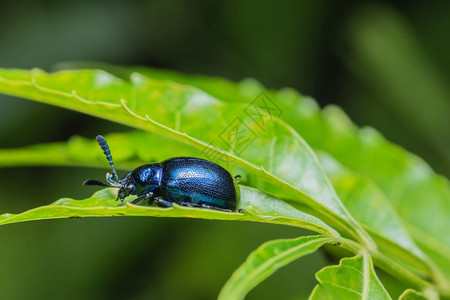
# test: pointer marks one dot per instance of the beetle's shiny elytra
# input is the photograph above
(187, 181)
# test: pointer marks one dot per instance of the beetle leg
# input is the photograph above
(162, 203)
(148, 196)
(188, 204)
(138, 199)
(215, 208)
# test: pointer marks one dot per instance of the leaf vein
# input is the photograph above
(342, 287)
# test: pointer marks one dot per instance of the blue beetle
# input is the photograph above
(187, 181)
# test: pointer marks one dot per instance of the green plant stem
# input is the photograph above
(398, 271)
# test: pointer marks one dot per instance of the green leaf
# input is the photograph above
(354, 278)
(258, 207)
(276, 153)
(404, 178)
(266, 260)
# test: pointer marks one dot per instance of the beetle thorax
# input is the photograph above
(146, 178)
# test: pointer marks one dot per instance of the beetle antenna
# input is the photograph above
(104, 145)
(95, 182)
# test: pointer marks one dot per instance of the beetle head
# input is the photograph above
(126, 187)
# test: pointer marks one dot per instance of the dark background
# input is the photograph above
(386, 63)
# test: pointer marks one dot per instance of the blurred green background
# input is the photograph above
(386, 63)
